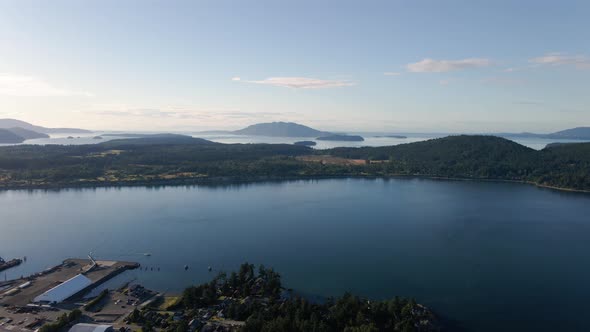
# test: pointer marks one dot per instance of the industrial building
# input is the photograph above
(91, 328)
(64, 290)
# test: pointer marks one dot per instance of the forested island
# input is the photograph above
(305, 143)
(177, 159)
(255, 300)
(342, 138)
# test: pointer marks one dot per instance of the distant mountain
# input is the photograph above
(27, 134)
(343, 138)
(582, 133)
(157, 139)
(280, 129)
(7, 137)
(13, 123)
(573, 133)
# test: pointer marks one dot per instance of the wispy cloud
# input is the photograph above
(169, 112)
(299, 82)
(182, 112)
(30, 86)
(441, 66)
(391, 73)
(558, 59)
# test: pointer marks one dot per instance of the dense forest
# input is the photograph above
(181, 159)
(256, 300)
(480, 157)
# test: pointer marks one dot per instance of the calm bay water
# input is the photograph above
(492, 256)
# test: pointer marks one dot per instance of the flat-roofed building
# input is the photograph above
(64, 290)
(83, 327)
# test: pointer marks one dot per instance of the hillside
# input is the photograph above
(183, 159)
(280, 129)
(7, 137)
(573, 133)
(452, 156)
(156, 139)
(578, 133)
(27, 134)
(12, 123)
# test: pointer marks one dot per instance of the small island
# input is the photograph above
(305, 143)
(97, 137)
(393, 136)
(343, 138)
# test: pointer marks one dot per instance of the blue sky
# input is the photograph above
(443, 66)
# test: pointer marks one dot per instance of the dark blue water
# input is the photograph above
(492, 256)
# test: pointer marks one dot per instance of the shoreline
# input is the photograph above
(220, 181)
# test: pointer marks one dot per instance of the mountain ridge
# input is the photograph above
(7, 123)
(280, 129)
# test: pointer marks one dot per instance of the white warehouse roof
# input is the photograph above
(91, 328)
(64, 290)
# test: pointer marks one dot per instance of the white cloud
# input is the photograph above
(391, 73)
(440, 66)
(179, 112)
(301, 82)
(29, 86)
(557, 59)
(167, 112)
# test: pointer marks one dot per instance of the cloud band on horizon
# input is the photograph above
(29, 86)
(299, 82)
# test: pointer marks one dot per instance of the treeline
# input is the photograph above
(134, 161)
(348, 313)
(479, 157)
(259, 299)
(63, 321)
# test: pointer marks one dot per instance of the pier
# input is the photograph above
(97, 272)
(5, 265)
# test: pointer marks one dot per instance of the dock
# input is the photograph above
(5, 265)
(24, 291)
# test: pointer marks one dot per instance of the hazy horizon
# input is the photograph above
(384, 66)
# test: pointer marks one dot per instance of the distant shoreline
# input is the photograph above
(233, 180)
